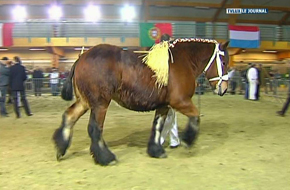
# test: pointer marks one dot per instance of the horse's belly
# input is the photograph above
(138, 104)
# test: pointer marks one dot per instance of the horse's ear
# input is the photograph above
(224, 45)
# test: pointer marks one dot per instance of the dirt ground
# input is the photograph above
(242, 145)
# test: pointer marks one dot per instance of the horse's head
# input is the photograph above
(216, 70)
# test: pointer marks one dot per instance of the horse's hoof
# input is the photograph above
(58, 156)
(164, 155)
(184, 144)
(114, 162)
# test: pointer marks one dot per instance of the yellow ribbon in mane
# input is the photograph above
(157, 61)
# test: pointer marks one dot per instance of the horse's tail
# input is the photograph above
(67, 89)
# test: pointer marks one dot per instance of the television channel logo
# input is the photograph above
(237, 11)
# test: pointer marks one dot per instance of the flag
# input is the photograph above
(150, 33)
(244, 36)
(6, 39)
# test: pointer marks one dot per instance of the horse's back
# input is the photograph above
(107, 72)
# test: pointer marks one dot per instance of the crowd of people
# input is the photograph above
(13, 76)
(253, 78)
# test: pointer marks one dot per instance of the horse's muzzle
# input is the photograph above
(221, 89)
(221, 93)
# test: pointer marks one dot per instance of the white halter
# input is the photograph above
(216, 54)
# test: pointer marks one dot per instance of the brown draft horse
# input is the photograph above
(107, 72)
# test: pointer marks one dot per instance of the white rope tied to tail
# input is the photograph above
(157, 60)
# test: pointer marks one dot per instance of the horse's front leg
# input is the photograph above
(99, 150)
(191, 131)
(154, 146)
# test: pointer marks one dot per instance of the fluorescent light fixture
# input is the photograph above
(36, 61)
(201, 7)
(92, 13)
(128, 13)
(36, 49)
(3, 49)
(80, 48)
(270, 51)
(55, 12)
(19, 13)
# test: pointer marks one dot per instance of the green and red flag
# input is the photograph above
(150, 33)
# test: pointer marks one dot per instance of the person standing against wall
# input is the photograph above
(4, 81)
(16, 80)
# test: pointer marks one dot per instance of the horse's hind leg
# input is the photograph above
(99, 150)
(154, 147)
(187, 108)
(62, 136)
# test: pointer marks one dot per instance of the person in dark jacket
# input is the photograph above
(286, 104)
(38, 81)
(17, 79)
(4, 81)
(9, 101)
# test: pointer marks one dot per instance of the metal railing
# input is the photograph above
(43, 86)
(276, 89)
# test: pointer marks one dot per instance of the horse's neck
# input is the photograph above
(200, 57)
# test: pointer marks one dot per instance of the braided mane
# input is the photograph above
(180, 40)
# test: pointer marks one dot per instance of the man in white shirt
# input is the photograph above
(54, 79)
(253, 79)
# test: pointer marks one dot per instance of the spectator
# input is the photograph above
(260, 75)
(252, 76)
(54, 80)
(286, 104)
(16, 80)
(246, 81)
(9, 92)
(4, 81)
(234, 78)
(38, 81)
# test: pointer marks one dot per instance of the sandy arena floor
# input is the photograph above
(242, 145)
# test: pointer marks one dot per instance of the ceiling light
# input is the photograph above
(19, 13)
(36, 49)
(201, 7)
(270, 51)
(55, 12)
(92, 13)
(3, 49)
(128, 13)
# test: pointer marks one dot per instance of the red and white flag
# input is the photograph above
(6, 39)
